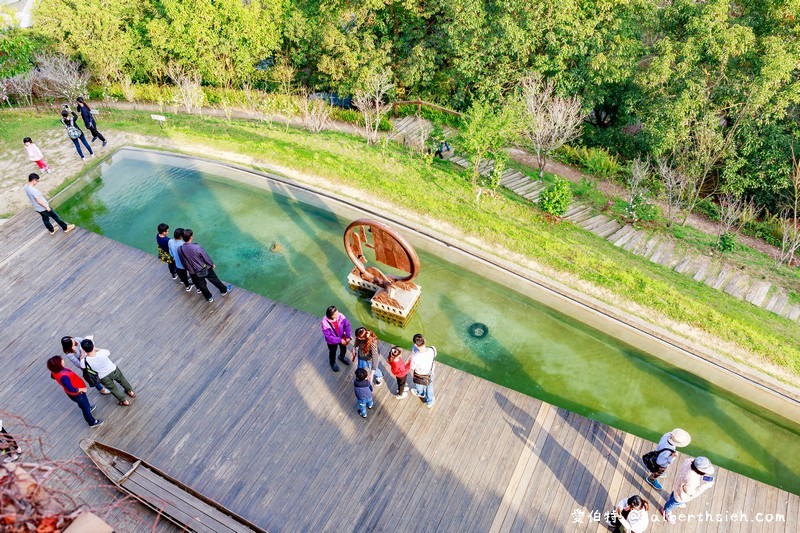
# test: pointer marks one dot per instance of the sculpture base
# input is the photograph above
(396, 307)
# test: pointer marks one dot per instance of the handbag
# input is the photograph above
(89, 375)
(164, 256)
(649, 459)
(73, 132)
(202, 273)
(422, 379)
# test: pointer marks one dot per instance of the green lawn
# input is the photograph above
(442, 190)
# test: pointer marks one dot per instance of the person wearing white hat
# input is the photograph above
(693, 478)
(656, 462)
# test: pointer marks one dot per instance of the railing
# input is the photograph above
(420, 104)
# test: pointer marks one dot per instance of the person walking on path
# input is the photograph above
(422, 359)
(630, 515)
(98, 361)
(71, 346)
(35, 155)
(162, 240)
(337, 333)
(74, 387)
(74, 133)
(400, 370)
(173, 245)
(694, 477)
(9, 449)
(363, 389)
(365, 348)
(43, 207)
(200, 266)
(657, 461)
(89, 121)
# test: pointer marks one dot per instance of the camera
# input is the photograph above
(66, 106)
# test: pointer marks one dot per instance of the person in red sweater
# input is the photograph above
(399, 371)
(75, 388)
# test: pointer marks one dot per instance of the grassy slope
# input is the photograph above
(442, 191)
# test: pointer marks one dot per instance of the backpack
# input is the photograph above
(649, 459)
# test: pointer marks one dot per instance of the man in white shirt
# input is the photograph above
(108, 373)
(422, 369)
(43, 207)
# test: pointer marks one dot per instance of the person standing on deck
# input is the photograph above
(107, 371)
(9, 449)
(173, 245)
(337, 333)
(43, 207)
(630, 515)
(656, 462)
(200, 266)
(74, 387)
(162, 240)
(365, 348)
(422, 367)
(71, 346)
(694, 477)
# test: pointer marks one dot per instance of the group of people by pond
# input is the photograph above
(337, 331)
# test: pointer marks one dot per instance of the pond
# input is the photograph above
(529, 347)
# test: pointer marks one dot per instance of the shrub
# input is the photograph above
(429, 113)
(353, 116)
(726, 242)
(556, 198)
(587, 189)
(708, 208)
(595, 161)
(768, 229)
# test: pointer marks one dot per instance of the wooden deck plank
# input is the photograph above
(236, 400)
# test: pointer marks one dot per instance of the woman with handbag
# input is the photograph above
(71, 346)
(365, 348)
(74, 133)
(89, 121)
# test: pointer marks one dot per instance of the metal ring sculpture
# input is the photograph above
(391, 249)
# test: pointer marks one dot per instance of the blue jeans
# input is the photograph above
(368, 365)
(426, 391)
(363, 405)
(86, 407)
(672, 503)
(82, 138)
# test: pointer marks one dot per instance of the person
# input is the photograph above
(337, 333)
(74, 133)
(74, 387)
(71, 346)
(443, 147)
(162, 240)
(399, 370)
(422, 367)
(363, 389)
(43, 207)
(89, 121)
(35, 155)
(173, 245)
(630, 515)
(98, 360)
(200, 266)
(657, 461)
(694, 477)
(366, 349)
(9, 449)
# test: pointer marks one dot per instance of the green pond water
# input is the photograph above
(530, 347)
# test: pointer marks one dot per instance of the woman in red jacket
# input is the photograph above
(75, 388)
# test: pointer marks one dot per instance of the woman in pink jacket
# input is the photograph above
(693, 478)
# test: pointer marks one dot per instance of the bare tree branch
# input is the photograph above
(190, 94)
(61, 77)
(369, 98)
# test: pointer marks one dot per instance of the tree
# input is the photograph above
(369, 100)
(190, 94)
(316, 112)
(637, 192)
(548, 120)
(790, 219)
(485, 132)
(61, 77)
(675, 183)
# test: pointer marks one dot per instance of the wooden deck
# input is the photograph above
(236, 399)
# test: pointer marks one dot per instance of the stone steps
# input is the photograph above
(659, 250)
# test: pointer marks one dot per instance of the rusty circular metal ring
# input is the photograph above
(407, 248)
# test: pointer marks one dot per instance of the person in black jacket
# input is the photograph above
(74, 133)
(89, 121)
